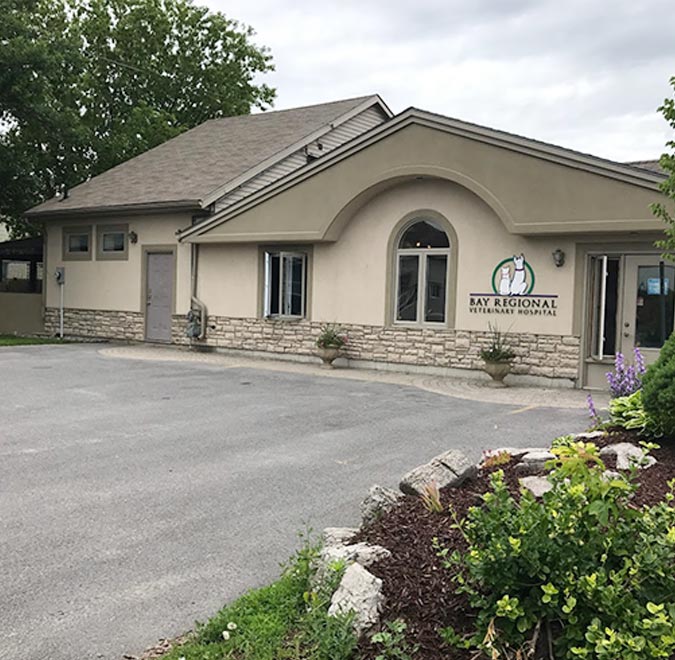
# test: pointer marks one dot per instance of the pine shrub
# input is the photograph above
(658, 389)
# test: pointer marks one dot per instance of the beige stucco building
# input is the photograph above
(413, 232)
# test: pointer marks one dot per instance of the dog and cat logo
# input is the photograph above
(513, 292)
(516, 277)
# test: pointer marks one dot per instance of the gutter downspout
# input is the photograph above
(194, 262)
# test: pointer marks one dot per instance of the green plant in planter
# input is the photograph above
(330, 337)
(498, 350)
(658, 389)
(580, 573)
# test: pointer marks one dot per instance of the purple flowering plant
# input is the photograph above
(593, 411)
(626, 379)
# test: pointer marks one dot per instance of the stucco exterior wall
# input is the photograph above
(228, 279)
(354, 278)
(116, 285)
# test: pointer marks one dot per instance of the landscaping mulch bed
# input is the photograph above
(417, 587)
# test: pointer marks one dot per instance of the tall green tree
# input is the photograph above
(87, 84)
(667, 162)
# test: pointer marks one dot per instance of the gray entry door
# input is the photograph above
(159, 296)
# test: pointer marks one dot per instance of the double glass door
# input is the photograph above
(632, 304)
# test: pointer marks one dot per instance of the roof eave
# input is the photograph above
(128, 209)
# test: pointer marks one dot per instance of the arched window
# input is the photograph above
(422, 260)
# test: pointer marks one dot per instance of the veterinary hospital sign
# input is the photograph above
(513, 292)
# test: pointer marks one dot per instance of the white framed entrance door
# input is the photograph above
(648, 305)
(631, 300)
(159, 285)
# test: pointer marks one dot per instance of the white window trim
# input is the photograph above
(284, 255)
(422, 285)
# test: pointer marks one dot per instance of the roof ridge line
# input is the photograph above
(518, 136)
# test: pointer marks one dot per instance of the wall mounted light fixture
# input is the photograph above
(558, 258)
(133, 237)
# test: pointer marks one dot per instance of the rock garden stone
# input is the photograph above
(536, 485)
(378, 500)
(589, 436)
(533, 462)
(514, 452)
(361, 553)
(338, 535)
(359, 592)
(451, 468)
(627, 454)
(336, 548)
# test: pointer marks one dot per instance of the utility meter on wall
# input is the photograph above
(60, 275)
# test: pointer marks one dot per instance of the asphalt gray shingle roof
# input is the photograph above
(651, 165)
(190, 166)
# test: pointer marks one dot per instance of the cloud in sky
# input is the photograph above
(588, 75)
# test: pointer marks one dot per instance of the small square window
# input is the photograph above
(113, 242)
(77, 243)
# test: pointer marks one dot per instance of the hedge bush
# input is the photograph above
(658, 389)
(582, 573)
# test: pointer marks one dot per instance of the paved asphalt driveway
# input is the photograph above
(137, 496)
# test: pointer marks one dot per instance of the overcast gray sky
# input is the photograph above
(583, 74)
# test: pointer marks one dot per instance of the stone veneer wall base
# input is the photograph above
(544, 360)
(108, 324)
(540, 359)
(394, 367)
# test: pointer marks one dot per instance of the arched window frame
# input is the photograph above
(393, 270)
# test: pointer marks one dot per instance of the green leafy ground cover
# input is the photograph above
(13, 340)
(287, 620)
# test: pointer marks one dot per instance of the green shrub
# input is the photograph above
(582, 569)
(658, 387)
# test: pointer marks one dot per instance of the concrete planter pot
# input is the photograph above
(327, 356)
(497, 371)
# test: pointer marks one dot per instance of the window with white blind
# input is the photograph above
(285, 284)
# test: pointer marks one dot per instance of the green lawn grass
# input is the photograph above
(13, 340)
(286, 620)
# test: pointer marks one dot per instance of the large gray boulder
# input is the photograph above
(627, 455)
(359, 592)
(451, 468)
(378, 501)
